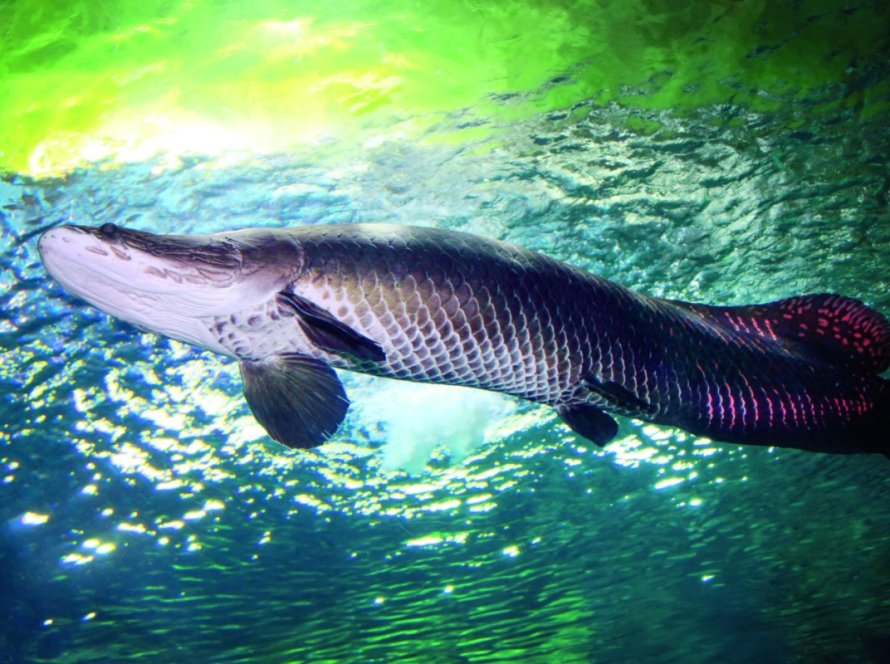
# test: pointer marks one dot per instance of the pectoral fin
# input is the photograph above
(590, 422)
(299, 400)
(328, 333)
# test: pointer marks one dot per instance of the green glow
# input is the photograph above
(84, 81)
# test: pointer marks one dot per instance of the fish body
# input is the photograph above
(439, 306)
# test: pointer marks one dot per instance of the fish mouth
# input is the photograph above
(106, 263)
(86, 269)
(161, 283)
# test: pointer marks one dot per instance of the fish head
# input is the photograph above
(169, 283)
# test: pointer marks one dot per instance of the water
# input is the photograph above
(144, 515)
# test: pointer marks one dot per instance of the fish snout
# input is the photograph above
(56, 235)
(58, 246)
(47, 240)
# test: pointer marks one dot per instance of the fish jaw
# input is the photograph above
(171, 285)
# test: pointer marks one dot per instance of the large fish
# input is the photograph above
(440, 306)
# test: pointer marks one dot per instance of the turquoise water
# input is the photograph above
(145, 516)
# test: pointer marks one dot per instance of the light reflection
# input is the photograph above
(311, 501)
(656, 433)
(345, 476)
(353, 482)
(352, 479)
(131, 527)
(98, 546)
(435, 539)
(429, 540)
(668, 482)
(129, 459)
(33, 519)
(630, 452)
(443, 506)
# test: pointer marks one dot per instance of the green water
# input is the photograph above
(724, 152)
(123, 80)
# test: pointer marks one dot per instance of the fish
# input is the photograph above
(295, 305)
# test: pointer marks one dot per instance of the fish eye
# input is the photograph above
(108, 230)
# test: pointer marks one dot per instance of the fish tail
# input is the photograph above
(841, 334)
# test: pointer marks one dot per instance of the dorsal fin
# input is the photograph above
(830, 328)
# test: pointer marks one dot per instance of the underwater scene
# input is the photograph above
(729, 152)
